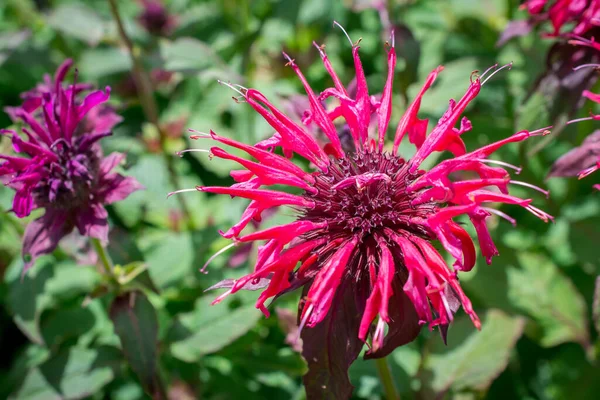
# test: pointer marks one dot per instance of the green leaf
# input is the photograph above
(74, 373)
(596, 306)
(151, 172)
(192, 55)
(57, 326)
(10, 41)
(169, 257)
(27, 299)
(98, 63)
(208, 329)
(43, 287)
(136, 324)
(78, 21)
(474, 359)
(550, 298)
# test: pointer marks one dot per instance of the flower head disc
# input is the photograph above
(361, 245)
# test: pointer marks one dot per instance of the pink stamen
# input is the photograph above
(335, 23)
(378, 335)
(579, 120)
(218, 253)
(487, 70)
(541, 132)
(502, 215)
(539, 213)
(588, 171)
(320, 49)
(181, 152)
(502, 163)
(199, 135)
(577, 68)
(529, 185)
(232, 87)
(221, 297)
(181, 191)
(509, 66)
(303, 322)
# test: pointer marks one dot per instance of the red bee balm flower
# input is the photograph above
(362, 243)
(584, 14)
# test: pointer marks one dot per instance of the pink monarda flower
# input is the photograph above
(575, 17)
(63, 170)
(362, 244)
(583, 160)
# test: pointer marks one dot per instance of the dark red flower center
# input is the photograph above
(366, 192)
(68, 181)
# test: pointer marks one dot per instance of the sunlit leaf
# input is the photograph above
(209, 329)
(550, 298)
(79, 21)
(73, 373)
(474, 359)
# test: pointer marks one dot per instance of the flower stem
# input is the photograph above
(103, 256)
(385, 375)
(148, 103)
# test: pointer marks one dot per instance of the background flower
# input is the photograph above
(63, 171)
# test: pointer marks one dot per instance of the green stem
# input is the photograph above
(385, 375)
(149, 106)
(103, 256)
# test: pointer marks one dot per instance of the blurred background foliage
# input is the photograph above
(63, 337)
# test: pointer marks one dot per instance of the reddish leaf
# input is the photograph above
(330, 347)
(579, 158)
(136, 324)
(514, 29)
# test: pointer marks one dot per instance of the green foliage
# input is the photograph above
(70, 331)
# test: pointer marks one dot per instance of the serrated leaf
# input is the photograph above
(78, 21)
(136, 324)
(550, 298)
(473, 361)
(209, 329)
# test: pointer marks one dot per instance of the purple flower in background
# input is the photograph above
(63, 169)
(156, 19)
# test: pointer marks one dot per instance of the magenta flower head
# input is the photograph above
(362, 245)
(62, 169)
(575, 17)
